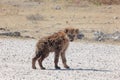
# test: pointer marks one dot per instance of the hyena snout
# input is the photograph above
(71, 37)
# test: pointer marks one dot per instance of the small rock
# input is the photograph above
(108, 23)
(57, 7)
(80, 35)
(35, 17)
(67, 22)
(116, 35)
(36, 31)
(16, 34)
(84, 17)
(28, 37)
(79, 63)
(2, 29)
(116, 17)
(98, 36)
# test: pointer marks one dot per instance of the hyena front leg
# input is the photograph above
(64, 61)
(56, 59)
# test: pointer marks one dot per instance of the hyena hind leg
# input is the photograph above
(34, 59)
(40, 60)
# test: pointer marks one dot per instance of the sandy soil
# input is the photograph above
(37, 19)
(88, 61)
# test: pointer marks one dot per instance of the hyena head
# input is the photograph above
(72, 33)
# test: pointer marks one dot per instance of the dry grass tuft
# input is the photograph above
(35, 17)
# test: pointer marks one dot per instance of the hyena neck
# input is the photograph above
(67, 37)
(63, 35)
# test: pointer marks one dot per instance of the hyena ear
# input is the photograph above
(77, 30)
(66, 31)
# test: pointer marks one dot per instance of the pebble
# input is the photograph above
(116, 17)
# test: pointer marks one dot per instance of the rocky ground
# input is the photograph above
(88, 61)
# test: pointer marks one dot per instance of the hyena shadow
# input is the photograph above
(81, 69)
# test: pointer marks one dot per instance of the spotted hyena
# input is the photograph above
(57, 43)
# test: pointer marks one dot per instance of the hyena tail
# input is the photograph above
(38, 54)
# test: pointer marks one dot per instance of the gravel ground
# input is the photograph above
(88, 61)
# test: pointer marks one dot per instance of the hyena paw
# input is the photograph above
(33, 67)
(67, 67)
(57, 67)
(43, 68)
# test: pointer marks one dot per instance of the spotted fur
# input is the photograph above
(58, 43)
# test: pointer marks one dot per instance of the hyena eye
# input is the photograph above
(69, 35)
